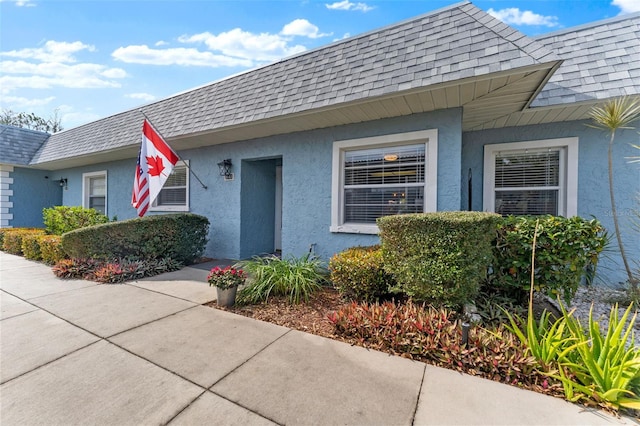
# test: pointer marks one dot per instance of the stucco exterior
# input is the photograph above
(593, 180)
(31, 191)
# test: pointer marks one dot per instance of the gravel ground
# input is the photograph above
(601, 298)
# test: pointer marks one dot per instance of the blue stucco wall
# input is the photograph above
(593, 189)
(306, 179)
(33, 190)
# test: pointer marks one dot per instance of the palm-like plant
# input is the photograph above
(613, 115)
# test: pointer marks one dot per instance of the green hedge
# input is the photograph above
(567, 249)
(181, 237)
(438, 258)
(31, 246)
(12, 238)
(61, 219)
(358, 274)
(51, 248)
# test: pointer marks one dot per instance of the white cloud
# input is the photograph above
(142, 96)
(45, 75)
(52, 51)
(302, 27)
(347, 5)
(243, 44)
(515, 16)
(73, 119)
(18, 102)
(21, 3)
(161, 43)
(627, 6)
(346, 35)
(176, 56)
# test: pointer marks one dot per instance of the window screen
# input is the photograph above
(174, 191)
(527, 182)
(383, 181)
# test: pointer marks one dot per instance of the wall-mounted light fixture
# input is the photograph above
(63, 183)
(225, 169)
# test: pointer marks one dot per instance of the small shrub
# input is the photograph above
(566, 249)
(438, 258)
(358, 274)
(181, 237)
(269, 276)
(12, 242)
(61, 219)
(51, 248)
(31, 246)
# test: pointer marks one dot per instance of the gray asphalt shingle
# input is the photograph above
(600, 61)
(18, 145)
(366, 65)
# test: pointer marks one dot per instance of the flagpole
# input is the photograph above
(186, 165)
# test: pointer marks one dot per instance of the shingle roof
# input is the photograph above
(445, 45)
(18, 145)
(601, 60)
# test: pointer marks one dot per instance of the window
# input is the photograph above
(532, 178)
(94, 190)
(174, 195)
(381, 176)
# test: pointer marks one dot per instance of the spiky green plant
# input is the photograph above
(611, 116)
(295, 277)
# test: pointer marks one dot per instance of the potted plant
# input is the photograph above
(226, 280)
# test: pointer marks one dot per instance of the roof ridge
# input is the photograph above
(517, 42)
(588, 25)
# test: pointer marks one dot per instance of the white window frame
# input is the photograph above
(86, 186)
(156, 208)
(428, 137)
(568, 191)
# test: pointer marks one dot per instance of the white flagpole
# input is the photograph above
(186, 165)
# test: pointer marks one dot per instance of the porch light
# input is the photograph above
(225, 168)
(390, 157)
(63, 183)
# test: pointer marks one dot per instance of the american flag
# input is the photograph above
(155, 163)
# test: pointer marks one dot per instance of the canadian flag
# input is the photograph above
(155, 163)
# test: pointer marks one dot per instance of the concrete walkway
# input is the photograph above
(147, 352)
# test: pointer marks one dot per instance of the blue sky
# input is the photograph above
(90, 59)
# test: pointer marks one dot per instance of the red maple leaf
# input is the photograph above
(155, 165)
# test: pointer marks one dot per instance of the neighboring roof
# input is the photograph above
(601, 61)
(447, 45)
(19, 145)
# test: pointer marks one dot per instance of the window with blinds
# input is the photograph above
(94, 191)
(528, 182)
(174, 191)
(383, 181)
(98, 193)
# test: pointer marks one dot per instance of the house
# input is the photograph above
(452, 110)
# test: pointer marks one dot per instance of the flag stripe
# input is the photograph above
(159, 144)
(147, 183)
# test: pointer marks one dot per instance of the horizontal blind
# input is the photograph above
(174, 191)
(527, 169)
(383, 181)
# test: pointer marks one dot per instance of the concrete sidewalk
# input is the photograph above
(147, 352)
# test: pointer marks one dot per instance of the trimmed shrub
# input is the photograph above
(51, 248)
(438, 258)
(567, 250)
(181, 237)
(31, 246)
(61, 219)
(12, 242)
(358, 274)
